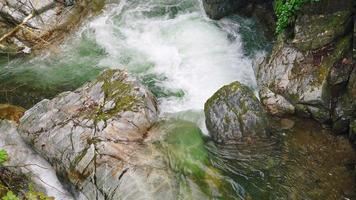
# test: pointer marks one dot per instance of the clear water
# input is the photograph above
(183, 57)
(170, 45)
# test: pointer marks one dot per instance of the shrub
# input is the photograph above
(286, 11)
(10, 196)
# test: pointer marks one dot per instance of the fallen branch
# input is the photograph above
(30, 16)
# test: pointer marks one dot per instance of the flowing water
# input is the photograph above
(183, 57)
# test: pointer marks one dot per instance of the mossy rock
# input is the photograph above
(315, 31)
(234, 113)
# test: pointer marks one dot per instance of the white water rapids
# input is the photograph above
(170, 45)
(175, 40)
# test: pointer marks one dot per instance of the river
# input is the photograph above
(183, 57)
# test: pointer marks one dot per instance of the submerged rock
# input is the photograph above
(234, 113)
(184, 146)
(101, 139)
(303, 162)
(10, 112)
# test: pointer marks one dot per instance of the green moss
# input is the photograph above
(116, 91)
(32, 194)
(322, 30)
(226, 90)
(340, 49)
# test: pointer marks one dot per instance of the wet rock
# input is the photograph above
(259, 9)
(345, 107)
(310, 34)
(234, 113)
(309, 68)
(276, 104)
(25, 168)
(303, 162)
(104, 139)
(217, 9)
(10, 112)
(98, 145)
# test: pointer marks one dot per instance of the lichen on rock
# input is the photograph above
(98, 130)
(310, 65)
(234, 113)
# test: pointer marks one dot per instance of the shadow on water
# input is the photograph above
(305, 162)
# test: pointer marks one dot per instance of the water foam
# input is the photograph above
(193, 53)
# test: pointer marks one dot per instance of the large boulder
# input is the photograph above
(234, 113)
(104, 141)
(93, 138)
(308, 71)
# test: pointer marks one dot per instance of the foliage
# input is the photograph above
(286, 11)
(3, 156)
(10, 196)
(32, 194)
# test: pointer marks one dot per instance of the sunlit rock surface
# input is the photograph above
(93, 137)
(99, 139)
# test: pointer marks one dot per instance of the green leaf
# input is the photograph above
(3, 156)
(10, 196)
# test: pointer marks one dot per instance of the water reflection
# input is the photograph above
(304, 162)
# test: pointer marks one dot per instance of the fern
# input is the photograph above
(286, 11)
(3, 156)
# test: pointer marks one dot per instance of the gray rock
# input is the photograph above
(100, 149)
(234, 113)
(217, 9)
(311, 34)
(297, 81)
(25, 161)
(102, 140)
(308, 71)
(345, 107)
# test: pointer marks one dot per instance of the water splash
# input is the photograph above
(186, 54)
